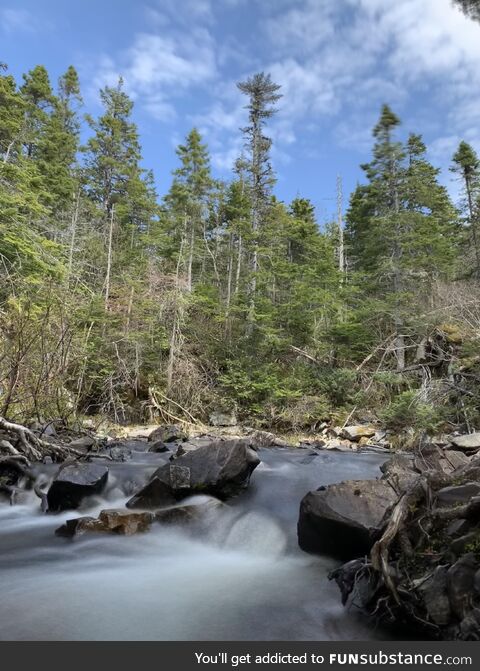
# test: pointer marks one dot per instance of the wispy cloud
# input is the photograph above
(13, 20)
(158, 68)
(337, 63)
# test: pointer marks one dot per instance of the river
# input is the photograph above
(238, 576)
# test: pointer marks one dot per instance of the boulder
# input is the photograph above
(193, 444)
(469, 441)
(456, 459)
(434, 593)
(461, 581)
(457, 494)
(155, 494)
(125, 522)
(356, 432)
(167, 434)
(219, 418)
(221, 469)
(186, 514)
(43, 430)
(457, 527)
(109, 521)
(84, 443)
(341, 519)
(158, 446)
(400, 471)
(460, 545)
(75, 482)
(260, 438)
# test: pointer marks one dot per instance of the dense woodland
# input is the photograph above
(118, 301)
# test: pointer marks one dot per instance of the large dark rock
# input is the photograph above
(461, 581)
(340, 520)
(167, 434)
(73, 483)
(221, 469)
(193, 444)
(400, 472)
(155, 494)
(456, 495)
(158, 446)
(188, 513)
(434, 592)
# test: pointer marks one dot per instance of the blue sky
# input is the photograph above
(337, 62)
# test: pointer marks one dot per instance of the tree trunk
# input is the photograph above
(109, 259)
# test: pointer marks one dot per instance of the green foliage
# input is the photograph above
(406, 410)
(220, 296)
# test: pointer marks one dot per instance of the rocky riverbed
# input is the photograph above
(123, 520)
(209, 564)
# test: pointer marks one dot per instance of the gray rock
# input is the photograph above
(73, 483)
(456, 459)
(155, 494)
(84, 443)
(458, 527)
(476, 581)
(457, 494)
(340, 519)
(470, 626)
(469, 441)
(188, 513)
(400, 472)
(461, 578)
(193, 444)
(219, 418)
(158, 446)
(221, 469)
(167, 434)
(260, 438)
(6, 445)
(460, 545)
(434, 592)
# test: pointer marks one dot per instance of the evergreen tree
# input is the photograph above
(399, 226)
(188, 202)
(263, 95)
(58, 145)
(467, 165)
(38, 96)
(470, 7)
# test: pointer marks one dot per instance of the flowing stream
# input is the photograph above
(238, 575)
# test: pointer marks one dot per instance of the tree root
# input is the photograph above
(380, 551)
(32, 447)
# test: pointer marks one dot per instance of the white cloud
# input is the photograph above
(157, 68)
(337, 63)
(18, 20)
(348, 58)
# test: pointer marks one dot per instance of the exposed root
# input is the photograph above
(380, 551)
(31, 446)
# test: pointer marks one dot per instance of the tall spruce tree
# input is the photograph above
(58, 145)
(466, 164)
(399, 226)
(263, 95)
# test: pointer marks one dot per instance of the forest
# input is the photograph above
(163, 353)
(119, 302)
